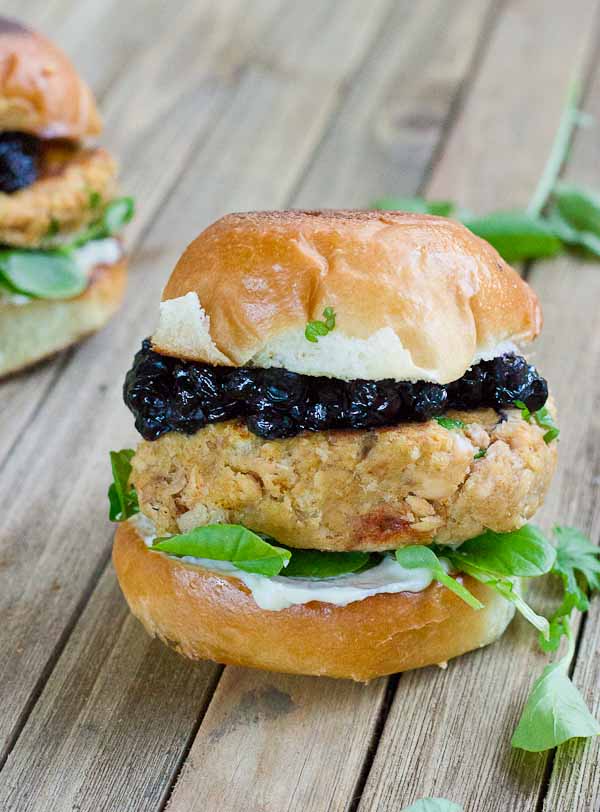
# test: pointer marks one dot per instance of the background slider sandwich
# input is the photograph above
(62, 268)
(342, 446)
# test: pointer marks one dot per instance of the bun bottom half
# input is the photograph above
(209, 615)
(36, 330)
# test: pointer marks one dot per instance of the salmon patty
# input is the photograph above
(73, 186)
(349, 490)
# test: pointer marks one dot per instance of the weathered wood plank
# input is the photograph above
(237, 167)
(165, 100)
(389, 127)
(275, 742)
(156, 695)
(570, 295)
(448, 733)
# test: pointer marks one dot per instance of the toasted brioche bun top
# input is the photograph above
(415, 297)
(40, 91)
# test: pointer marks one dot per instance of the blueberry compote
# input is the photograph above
(167, 394)
(19, 160)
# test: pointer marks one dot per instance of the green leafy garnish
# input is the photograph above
(516, 235)
(542, 417)
(41, 274)
(555, 710)
(420, 557)
(114, 217)
(578, 566)
(94, 199)
(433, 805)
(443, 208)
(496, 558)
(53, 228)
(523, 553)
(450, 423)
(479, 454)
(122, 497)
(317, 564)
(315, 329)
(228, 542)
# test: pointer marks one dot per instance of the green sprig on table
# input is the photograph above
(560, 217)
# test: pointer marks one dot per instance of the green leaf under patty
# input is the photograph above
(122, 498)
(228, 542)
(421, 557)
(317, 564)
(41, 274)
(114, 217)
(524, 553)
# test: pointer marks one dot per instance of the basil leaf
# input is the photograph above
(450, 423)
(555, 711)
(42, 274)
(506, 588)
(317, 564)
(433, 805)
(228, 542)
(579, 207)
(522, 553)
(578, 566)
(122, 498)
(420, 557)
(443, 208)
(571, 236)
(516, 235)
(479, 454)
(114, 217)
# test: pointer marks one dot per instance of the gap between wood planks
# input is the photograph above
(463, 44)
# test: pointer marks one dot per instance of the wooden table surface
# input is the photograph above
(222, 105)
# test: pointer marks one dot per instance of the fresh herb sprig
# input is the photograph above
(560, 217)
(54, 273)
(316, 329)
(542, 417)
(122, 497)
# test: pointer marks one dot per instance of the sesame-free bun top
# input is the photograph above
(40, 91)
(415, 297)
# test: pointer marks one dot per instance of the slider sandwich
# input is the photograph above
(62, 266)
(342, 446)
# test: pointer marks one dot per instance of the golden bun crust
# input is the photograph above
(40, 90)
(208, 615)
(41, 328)
(413, 483)
(416, 297)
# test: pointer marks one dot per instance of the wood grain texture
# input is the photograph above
(570, 295)
(460, 748)
(388, 128)
(81, 720)
(275, 742)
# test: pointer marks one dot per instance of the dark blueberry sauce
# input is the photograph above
(167, 394)
(19, 160)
